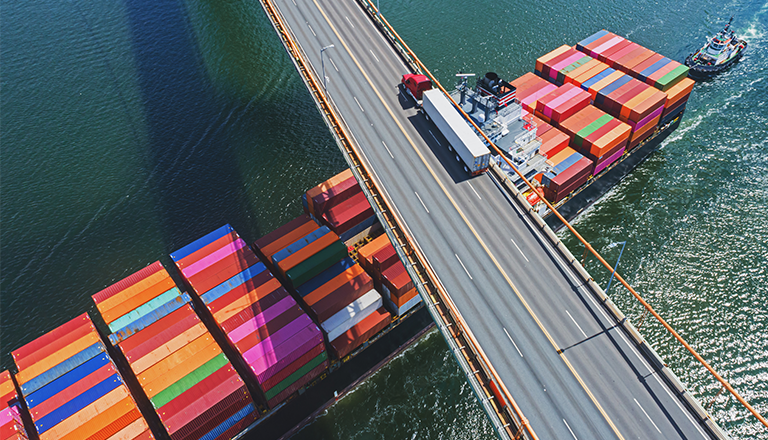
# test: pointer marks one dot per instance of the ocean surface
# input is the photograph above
(129, 129)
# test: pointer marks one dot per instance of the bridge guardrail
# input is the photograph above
(507, 424)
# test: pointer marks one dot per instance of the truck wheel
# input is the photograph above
(450, 148)
(457, 159)
(466, 169)
(426, 116)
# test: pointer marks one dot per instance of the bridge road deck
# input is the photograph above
(522, 302)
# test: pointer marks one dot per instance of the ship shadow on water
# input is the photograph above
(195, 179)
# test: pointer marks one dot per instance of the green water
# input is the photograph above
(128, 129)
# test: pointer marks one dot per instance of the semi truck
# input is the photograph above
(460, 135)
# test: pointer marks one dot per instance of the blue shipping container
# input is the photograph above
(299, 244)
(215, 293)
(144, 309)
(65, 381)
(201, 242)
(325, 276)
(76, 404)
(147, 320)
(62, 368)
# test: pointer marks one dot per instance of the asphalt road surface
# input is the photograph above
(521, 301)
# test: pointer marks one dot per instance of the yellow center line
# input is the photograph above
(474, 232)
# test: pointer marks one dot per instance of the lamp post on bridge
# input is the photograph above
(322, 62)
(623, 244)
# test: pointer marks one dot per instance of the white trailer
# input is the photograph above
(460, 135)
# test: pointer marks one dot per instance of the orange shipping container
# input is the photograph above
(610, 140)
(176, 358)
(139, 299)
(84, 327)
(403, 300)
(544, 58)
(333, 284)
(165, 350)
(283, 242)
(246, 300)
(176, 372)
(128, 292)
(307, 251)
(553, 142)
(588, 74)
(678, 91)
(56, 358)
(130, 432)
(84, 415)
(596, 87)
(124, 408)
(642, 105)
(584, 68)
(365, 253)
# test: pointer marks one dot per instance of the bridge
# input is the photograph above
(547, 353)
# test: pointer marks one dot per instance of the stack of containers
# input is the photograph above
(11, 424)
(598, 136)
(529, 88)
(553, 140)
(562, 103)
(308, 256)
(570, 170)
(339, 294)
(677, 97)
(188, 379)
(279, 344)
(633, 102)
(73, 389)
(379, 257)
(643, 64)
(340, 203)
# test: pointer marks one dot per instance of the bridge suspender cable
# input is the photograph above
(575, 233)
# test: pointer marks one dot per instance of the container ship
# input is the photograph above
(231, 338)
(574, 127)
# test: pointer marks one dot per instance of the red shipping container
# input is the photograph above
(269, 329)
(288, 358)
(296, 386)
(335, 195)
(396, 281)
(292, 367)
(619, 54)
(553, 142)
(66, 395)
(384, 259)
(346, 215)
(253, 310)
(127, 282)
(342, 297)
(281, 237)
(160, 332)
(648, 62)
(221, 382)
(193, 426)
(238, 292)
(361, 332)
(605, 56)
(222, 270)
(41, 348)
(206, 250)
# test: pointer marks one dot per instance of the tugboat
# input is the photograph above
(721, 52)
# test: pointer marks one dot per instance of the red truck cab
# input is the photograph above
(416, 84)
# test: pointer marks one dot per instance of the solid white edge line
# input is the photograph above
(473, 189)
(570, 430)
(646, 414)
(433, 137)
(422, 202)
(390, 153)
(513, 342)
(518, 248)
(358, 104)
(462, 265)
(577, 324)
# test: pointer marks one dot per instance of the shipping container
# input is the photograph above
(341, 297)
(281, 237)
(201, 243)
(562, 103)
(352, 314)
(348, 214)
(316, 264)
(366, 252)
(360, 333)
(314, 192)
(334, 191)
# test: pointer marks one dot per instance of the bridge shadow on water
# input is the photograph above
(193, 171)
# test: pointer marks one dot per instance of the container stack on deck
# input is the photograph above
(340, 203)
(73, 389)
(11, 424)
(189, 381)
(335, 290)
(380, 259)
(613, 94)
(279, 344)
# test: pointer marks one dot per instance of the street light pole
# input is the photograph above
(322, 62)
(622, 243)
(378, 10)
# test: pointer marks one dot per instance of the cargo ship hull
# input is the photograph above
(595, 189)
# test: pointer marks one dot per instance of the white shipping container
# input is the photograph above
(351, 315)
(456, 131)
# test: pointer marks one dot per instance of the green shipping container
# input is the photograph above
(589, 129)
(288, 381)
(314, 265)
(675, 76)
(189, 381)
